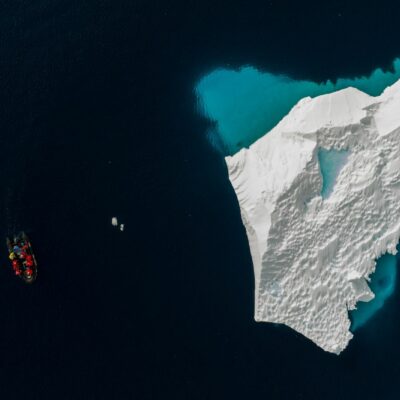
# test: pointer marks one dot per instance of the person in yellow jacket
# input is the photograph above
(12, 256)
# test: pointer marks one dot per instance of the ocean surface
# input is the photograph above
(99, 117)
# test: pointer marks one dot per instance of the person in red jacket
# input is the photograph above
(29, 261)
(16, 267)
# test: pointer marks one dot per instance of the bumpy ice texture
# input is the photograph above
(313, 256)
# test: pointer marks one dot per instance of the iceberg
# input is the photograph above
(314, 244)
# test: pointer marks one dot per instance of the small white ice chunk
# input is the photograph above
(121, 227)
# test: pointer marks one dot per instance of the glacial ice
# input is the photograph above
(312, 254)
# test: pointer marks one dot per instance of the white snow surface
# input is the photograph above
(313, 257)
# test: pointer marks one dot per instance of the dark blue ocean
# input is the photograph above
(99, 118)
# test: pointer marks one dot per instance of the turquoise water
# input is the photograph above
(383, 283)
(330, 162)
(245, 104)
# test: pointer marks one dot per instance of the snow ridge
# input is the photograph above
(312, 257)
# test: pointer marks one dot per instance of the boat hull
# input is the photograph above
(22, 240)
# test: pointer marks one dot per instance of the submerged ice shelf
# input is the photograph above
(382, 284)
(314, 248)
(246, 103)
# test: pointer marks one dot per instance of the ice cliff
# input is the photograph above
(313, 256)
